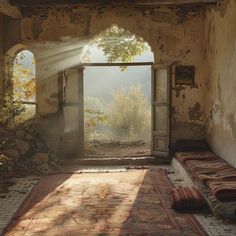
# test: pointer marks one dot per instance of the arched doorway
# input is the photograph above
(115, 48)
(117, 99)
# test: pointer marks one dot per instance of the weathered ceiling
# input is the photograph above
(23, 3)
(12, 8)
(7, 9)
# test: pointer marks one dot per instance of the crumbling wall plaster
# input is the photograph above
(220, 54)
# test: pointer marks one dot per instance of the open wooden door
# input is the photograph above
(80, 147)
(73, 107)
(160, 110)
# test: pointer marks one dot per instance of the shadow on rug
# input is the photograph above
(135, 202)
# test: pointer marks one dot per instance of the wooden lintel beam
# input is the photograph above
(7, 9)
(26, 3)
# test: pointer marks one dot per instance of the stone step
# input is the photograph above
(109, 161)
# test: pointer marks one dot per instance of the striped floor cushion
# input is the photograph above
(222, 173)
(211, 170)
(185, 156)
(203, 165)
(216, 173)
(224, 190)
(184, 198)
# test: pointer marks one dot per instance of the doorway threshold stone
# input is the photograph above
(106, 161)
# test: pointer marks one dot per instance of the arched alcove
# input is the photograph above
(20, 79)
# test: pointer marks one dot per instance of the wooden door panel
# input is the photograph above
(73, 108)
(160, 110)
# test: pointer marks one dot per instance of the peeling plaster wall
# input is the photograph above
(188, 105)
(176, 36)
(220, 53)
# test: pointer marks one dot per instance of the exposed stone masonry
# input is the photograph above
(24, 151)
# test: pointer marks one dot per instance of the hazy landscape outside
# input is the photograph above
(117, 100)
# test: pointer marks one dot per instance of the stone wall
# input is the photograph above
(220, 54)
(23, 150)
(176, 36)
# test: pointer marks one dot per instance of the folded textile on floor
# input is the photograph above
(223, 190)
(198, 165)
(221, 173)
(186, 199)
(185, 156)
(211, 169)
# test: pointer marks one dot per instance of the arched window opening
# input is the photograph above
(24, 84)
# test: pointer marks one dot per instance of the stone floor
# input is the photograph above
(10, 201)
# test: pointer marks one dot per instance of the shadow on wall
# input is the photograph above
(52, 128)
(187, 130)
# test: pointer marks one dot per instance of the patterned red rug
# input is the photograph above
(134, 202)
